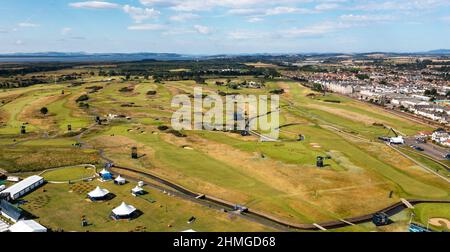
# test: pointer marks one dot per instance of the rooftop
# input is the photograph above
(16, 188)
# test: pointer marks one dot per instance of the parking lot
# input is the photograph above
(430, 149)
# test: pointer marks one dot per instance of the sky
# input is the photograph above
(224, 26)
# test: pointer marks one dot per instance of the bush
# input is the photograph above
(176, 133)
(84, 105)
(44, 110)
(332, 101)
(126, 89)
(277, 91)
(163, 127)
(82, 98)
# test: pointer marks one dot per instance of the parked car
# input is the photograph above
(447, 156)
(417, 148)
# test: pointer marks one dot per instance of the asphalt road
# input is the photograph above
(430, 149)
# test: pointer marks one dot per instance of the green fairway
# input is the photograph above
(69, 173)
(423, 213)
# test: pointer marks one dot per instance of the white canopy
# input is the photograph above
(397, 140)
(27, 226)
(98, 193)
(124, 210)
(137, 189)
(119, 179)
(104, 171)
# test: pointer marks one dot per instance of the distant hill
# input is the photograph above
(81, 56)
(440, 51)
(147, 56)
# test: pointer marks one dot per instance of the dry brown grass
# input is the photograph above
(32, 114)
(317, 187)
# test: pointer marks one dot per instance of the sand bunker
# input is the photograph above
(315, 145)
(440, 222)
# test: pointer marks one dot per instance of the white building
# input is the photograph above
(27, 226)
(421, 97)
(3, 226)
(339, 88)
(23, 187)
(441, 137)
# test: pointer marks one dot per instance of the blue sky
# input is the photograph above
(224, 26)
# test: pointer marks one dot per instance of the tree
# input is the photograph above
(82, 98)
(431, 92)
(317, 87)
(362, 76)
(44, 110)
(199, 80)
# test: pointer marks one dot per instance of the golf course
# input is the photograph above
(279, 178)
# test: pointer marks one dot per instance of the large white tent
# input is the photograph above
(123, 211)
(98, 193)
(27, 226)
(397, 140)
(119, 180)
(137, 190)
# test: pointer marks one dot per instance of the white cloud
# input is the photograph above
(287, 10)
(246, 35)
(202, 29)
(402, 5)
(28, 25)
(367, 18)
(146, 27)
(94, 5)
(140, 14)
(245, 12)
(316, 30)
(206, 5)
(293, 6)
(184, 17)
(65, 31)
(18, 42)
(254, 19)
(158, 2)
(279, 10)
(327, 6)
(446, 19)
(178, 31)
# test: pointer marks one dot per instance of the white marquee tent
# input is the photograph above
(119, 180)
(27, 226)
(98, 193)
(137, 190)
(123, 210)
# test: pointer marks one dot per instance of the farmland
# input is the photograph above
(277, 178)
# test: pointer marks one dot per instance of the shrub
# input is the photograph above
(82, 98)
